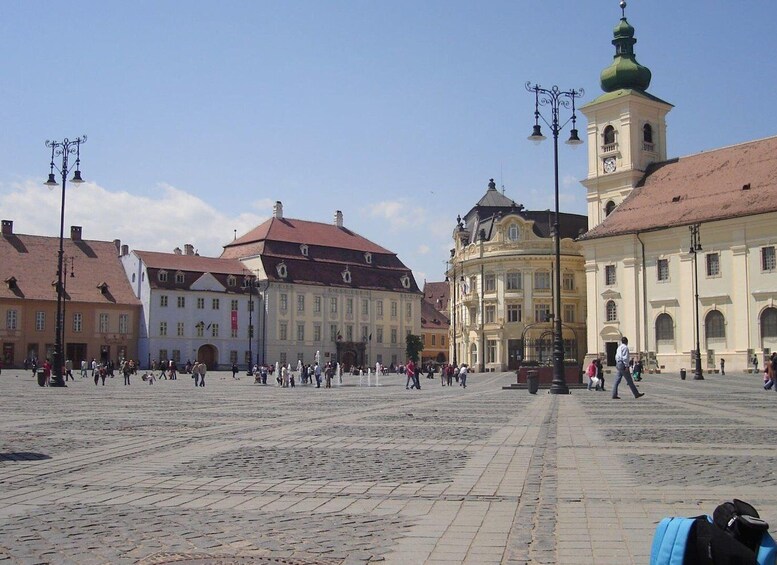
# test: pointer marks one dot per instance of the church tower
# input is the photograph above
(626, 128)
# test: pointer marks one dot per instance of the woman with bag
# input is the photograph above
(591, 372)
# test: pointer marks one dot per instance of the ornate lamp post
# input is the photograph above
(63, 148)
(555, 99)
(698, 375)
(249, 281)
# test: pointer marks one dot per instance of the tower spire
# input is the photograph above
(625, 71)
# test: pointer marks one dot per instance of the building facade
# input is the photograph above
(435, 326)
(650, 278)
(194, 308)
(100, 312)
(328, 294)
(501, 273)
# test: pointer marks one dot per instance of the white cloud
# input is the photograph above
(169, 219)
(398, 213)
(423, 249)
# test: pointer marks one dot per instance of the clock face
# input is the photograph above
(609, 165)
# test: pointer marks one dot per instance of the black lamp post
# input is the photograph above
(698, 375)
(556, 99)
(71, 260)
(248, 280)
(63, 148)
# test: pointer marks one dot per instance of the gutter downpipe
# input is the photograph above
(644, 294)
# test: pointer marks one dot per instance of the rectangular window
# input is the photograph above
(379, 308)
(609, 274)
(177, 355)
(768, 260)
(542, 280)
(317, 305)
(333, 305)
(300, 332)
(662, 270)
(233, 333)
(181, 302)
(541, 312)
(408, 310)
(78, 322)
(513, 281)
(316, 332)
(713, 264)
(200, 329)
(490, 283)
(365, 334)
(283, 302)
(491, 351)
(163, 301)
(103, 327)
(283, 331)
(490, 314)
(200, 304)
(123, 323)
(379, 335)
(442, 341)
(394, 308)
(283, 357)
(233, 356)
(393, 336)
(180, 329)
(434, 340)
(349, 333)
(568, 282)
(233, 308)
(514, 313)
(365, 307)
(162, 328)
(569, 313)
(300, 303)
(333, 333)
(247, 357)
(215, 304)
(163, 355)
(349, 307)
(214, 330)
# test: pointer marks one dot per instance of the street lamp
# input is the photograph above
(64, 149)
(556, 99)
(248, 280)
(694, 250)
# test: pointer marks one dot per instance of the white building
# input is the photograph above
(194, 308)
(639, 264)
(328, 290)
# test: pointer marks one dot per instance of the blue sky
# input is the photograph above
(200, 114)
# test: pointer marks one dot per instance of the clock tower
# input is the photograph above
(626, 128)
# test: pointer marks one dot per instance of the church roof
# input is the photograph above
(730, 182)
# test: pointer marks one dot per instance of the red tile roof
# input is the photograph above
(438, 294)
(32, 261)
(731, 182)
(195, 263)
(431, 318)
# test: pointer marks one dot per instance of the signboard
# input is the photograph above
(234, 319)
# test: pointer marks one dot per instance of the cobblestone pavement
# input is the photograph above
(241, 473)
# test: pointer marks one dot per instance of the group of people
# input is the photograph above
(625, 366)
(770, 371)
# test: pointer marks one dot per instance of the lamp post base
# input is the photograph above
(558, 389)
(57, 382)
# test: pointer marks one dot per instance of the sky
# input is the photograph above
(200, 115)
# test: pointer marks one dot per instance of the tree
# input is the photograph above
(414, 346)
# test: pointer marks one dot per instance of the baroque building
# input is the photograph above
(328, 293)
(501, 297)
(679, 251)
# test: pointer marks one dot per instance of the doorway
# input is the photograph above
(611, 347)
(207, 354)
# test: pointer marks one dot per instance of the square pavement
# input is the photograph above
(241, 473)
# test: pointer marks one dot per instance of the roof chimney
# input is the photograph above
(339, 219)
(277, 210)
(75, 233)
(124, 250)
(188, 249)
(7, 227)
(117, 245)
(177, 251)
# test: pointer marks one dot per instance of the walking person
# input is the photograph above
(599, 374)
(463, 372)
(317, 373)
(328, 374)
(622, 357)
(755, 363)
(202, 368)
(196, 373)
(409, 371)
(591, 374)
(127, 371)
(638, 370)
(722, 366)
(234, 370)
(449, 375)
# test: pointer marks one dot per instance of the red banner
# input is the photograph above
(234, 319)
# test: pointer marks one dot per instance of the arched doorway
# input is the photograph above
(769, 329)
(207, 354)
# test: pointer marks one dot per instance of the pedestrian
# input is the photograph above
(234, 370)
(722, 366)
(409, 370)
(443, 373)
(456, 372)
(202, 368)
(638, 370)
(755, 363)
(102, 372)
(600, 374)
(126, 369)
(773, 369)
(196, 373)
(69, 370)
(328, 374)
(591, 373)
(622, 357)
(94, 365)
(83, 368)
(463, 375)
(47, 372)
(317, 374)
(449, 375)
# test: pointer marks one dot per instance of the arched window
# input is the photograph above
(162, 276)
(231, 280)
(179, 278)
(769, 323)
(664, 328)
(608, 208)
(714, 325)
(609, 135)
(513, 233)
(647, 133)
(612, 311)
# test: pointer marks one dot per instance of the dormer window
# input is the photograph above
(346, 274)
(405, 281)
(282, 270)
(513, 232)
(609, 208)
(368, 258)
(103, 288)
(609, 141)
(231, 280)
(179, 277)
(304, 250)
(162, 276)
(11, 282)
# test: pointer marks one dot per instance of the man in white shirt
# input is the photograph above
(622, 357)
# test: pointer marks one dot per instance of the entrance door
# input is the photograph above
(105, 354)
(76, 352)
(514, 351)
(611, 347)
(8, 359)
(207, 354)
(348, 360)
